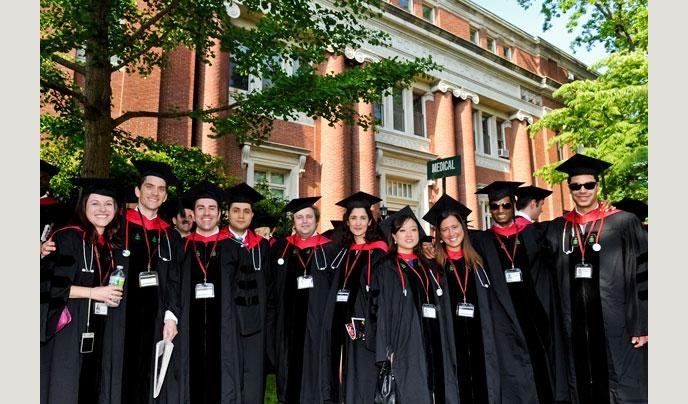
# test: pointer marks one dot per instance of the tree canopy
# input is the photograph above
(606, 117)
(83, 42)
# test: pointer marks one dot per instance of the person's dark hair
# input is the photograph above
(523, 201)
(568, 179)
(343, 236)
(142, 179)
(473, 259)
(91, 235)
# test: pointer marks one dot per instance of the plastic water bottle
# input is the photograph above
(117, 279)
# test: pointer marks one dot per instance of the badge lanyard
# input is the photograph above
(463, 286)
(581, 245)
(253, 251)
(204, 268)
(112, 265)
(425, 284)
(126, 250)
(349, 269)
(305, 265)
(511, 257)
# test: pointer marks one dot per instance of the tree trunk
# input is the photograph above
(98, 92)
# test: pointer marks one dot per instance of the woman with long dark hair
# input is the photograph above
(411, 316)
(348, 360)
(86, 351)
(474, 354)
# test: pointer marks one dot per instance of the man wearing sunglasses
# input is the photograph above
(520, 299)
(599, 259)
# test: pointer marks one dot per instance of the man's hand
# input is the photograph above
(169, 330)
(639, 341)
(47, 248)
(428, 250)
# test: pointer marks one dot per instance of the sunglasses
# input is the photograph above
(505, 205)
(588, 185)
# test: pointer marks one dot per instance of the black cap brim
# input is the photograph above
(358, 200)
(499, 189)
(49, 168)
(580, 164)
(297, 204)
(532, 192)
(156, 169)
(638, 208)
(405, 212)
(243, 193)
(101, 186)
(443, 207)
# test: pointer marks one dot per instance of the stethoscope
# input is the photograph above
(126, 252)
(280, 260)
(253, 253)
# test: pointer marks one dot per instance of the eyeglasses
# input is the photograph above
(588, 185)
(505, 205)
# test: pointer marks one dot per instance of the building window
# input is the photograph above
(398, 109)
(475, 36)
(418, 115)
(491, 45)
(428, 13)
(406, 4)
(400, 189)
(237, 80)
(402, 111)
(484, 204)
(508, 53)
(276, 181)
(489, 135)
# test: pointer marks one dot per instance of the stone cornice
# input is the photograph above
(360, 55)
(456, 90)
(521, 116)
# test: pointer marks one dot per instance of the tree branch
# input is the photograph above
(64, 90)
(133, 57)
(67, 63)
(144, 27)
(170, 114)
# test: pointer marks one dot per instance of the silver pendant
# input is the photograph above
(280, 261)
(596, 247)
(439, 292)
(126, 253)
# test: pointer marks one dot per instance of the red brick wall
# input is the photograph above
(452, 23)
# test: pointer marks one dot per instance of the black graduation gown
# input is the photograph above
(475, 356)
(249, 262)
(208, 366)
(611, 307)
(73, 377)
(145, 312)
(421, 346)
(521, 323)
(359, 372)
(295, 315)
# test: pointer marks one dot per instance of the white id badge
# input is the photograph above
(147, 279)
(465, 310)
(429, 311)
(205, 291)
(87, 340)
(100, 309)
(584, 271)
(305, 282)
(513, 275)
(342, 296)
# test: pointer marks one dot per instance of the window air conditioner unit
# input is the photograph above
(503, 153)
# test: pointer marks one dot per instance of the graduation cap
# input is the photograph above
(499, 189)
(243, 193)
(297, 204)
(580, 164)
(336, 223)
(264, 220)
(532, 192)
(156, 169)
(638, 208)
(386, 225)
(49, 168)
(359, 199)
(443, 207)
(100, 186)
(175, 206)
(205, 189)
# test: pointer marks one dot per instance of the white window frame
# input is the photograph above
(409, 6)
(387, 109)
(432, 12)
(493, 130)
(474, 34)
(269, 172)
(484, 205)
(286, 159)
(508, 52)
(491, 44)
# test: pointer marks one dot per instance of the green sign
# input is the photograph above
(441, 168)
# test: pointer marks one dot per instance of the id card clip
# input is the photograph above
(304, 282)
(465, 310)
(147, 279)
(583, 271)
(513, 275)
(429, 310)
(342, 296)
(205, 291)
(100, 309)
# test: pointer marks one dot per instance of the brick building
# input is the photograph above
(496, 80)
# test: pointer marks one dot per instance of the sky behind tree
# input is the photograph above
(531, 20)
